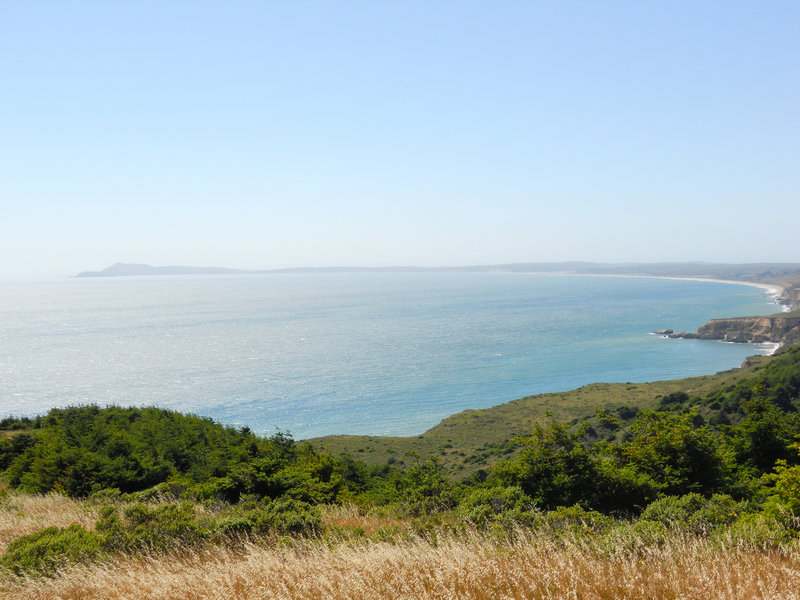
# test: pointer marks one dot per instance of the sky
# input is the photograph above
(264, 134)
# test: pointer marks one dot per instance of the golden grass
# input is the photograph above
(22, 514)
(349, 517)
(533, 565)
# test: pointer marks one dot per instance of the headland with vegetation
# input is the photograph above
(686, 488)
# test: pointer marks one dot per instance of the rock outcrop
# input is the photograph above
(779, 329)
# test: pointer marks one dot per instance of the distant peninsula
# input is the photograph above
(777, 273)
(133, 269)
(137, 269)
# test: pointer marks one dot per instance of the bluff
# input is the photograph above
(783, 328)
(779, 329)
(791, 296)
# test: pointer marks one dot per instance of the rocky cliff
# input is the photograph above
(781, 329)
(776, 328)
(790, 296)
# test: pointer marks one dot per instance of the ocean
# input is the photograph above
(350, 353)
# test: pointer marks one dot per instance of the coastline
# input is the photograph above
(772, 289)
(773, 330)
(776, 291)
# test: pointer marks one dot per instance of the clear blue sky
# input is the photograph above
(279, 134)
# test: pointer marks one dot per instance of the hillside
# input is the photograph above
(476, 439)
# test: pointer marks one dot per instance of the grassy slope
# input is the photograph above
(463, 441)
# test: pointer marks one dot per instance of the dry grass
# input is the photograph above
(22, 514)
(533, 566)
(349, 517)
(530, 565)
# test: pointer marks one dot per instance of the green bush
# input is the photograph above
(80, 450)
(285, 516)
(577, 519)
(44, 552)
(694, 513)
(556, 467)
(142, 528)
(425, 490)
(649, 533)
(755, 530)
(508, 505)
(787, 485)
(679, 456)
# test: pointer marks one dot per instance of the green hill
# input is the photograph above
(476, 439)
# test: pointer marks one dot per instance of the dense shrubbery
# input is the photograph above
(82, 450)
(672, 453)
(44, 552)
(727, 460)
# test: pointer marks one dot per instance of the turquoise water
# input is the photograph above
(370, 353)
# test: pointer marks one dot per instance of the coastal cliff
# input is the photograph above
(781, 329)
(790, 296)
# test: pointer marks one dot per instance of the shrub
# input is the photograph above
(554, 468)
(145, 528)
(557, 468)
(787, 485)
(44, 552)
(496, 504)
(283, 516)
(757, 530)
(425, 490)
(577, 519)
(678, 455)
(286, 516)
(694, 513)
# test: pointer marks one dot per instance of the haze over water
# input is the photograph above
(368, 353)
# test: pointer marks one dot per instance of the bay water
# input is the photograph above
(350, 353)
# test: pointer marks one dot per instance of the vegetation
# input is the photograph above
(701, 474)
(566, 553)
(475, 440)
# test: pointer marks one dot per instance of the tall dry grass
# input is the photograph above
(529, 565)
(350, 517)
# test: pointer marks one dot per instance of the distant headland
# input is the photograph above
(767, 273)
(782, 278)
(133, 269)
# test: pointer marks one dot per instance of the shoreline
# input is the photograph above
(772, 289)
(775, 291)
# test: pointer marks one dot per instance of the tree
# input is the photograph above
(679, 456)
